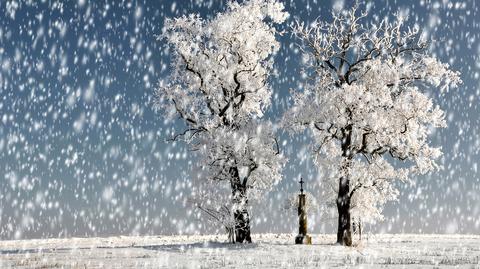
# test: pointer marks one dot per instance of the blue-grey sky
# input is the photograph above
(84, 154)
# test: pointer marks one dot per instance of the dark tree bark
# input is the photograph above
(240, 212)
(242, 226)
(344, 232)
(360, 230)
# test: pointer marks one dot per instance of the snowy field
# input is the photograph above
(268, 251)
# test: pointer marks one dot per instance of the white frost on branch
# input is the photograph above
(252, 150)
(365, 105)
(220, 67)
(311, 203)
(219, 88)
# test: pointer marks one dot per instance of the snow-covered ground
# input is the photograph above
(268, 251)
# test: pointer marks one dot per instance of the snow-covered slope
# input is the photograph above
(268, 251)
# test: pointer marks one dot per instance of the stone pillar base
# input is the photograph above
(303, 239)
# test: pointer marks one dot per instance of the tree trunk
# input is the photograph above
(360, 230)
(240, 210)
(242, 226)
(344, 232)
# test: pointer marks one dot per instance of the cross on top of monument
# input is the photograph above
(301, 185)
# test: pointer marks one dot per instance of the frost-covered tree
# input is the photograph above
(219, 88)
(365, 107)
(311, 204)
(213, 204)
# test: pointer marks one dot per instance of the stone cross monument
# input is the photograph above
(302, 237)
